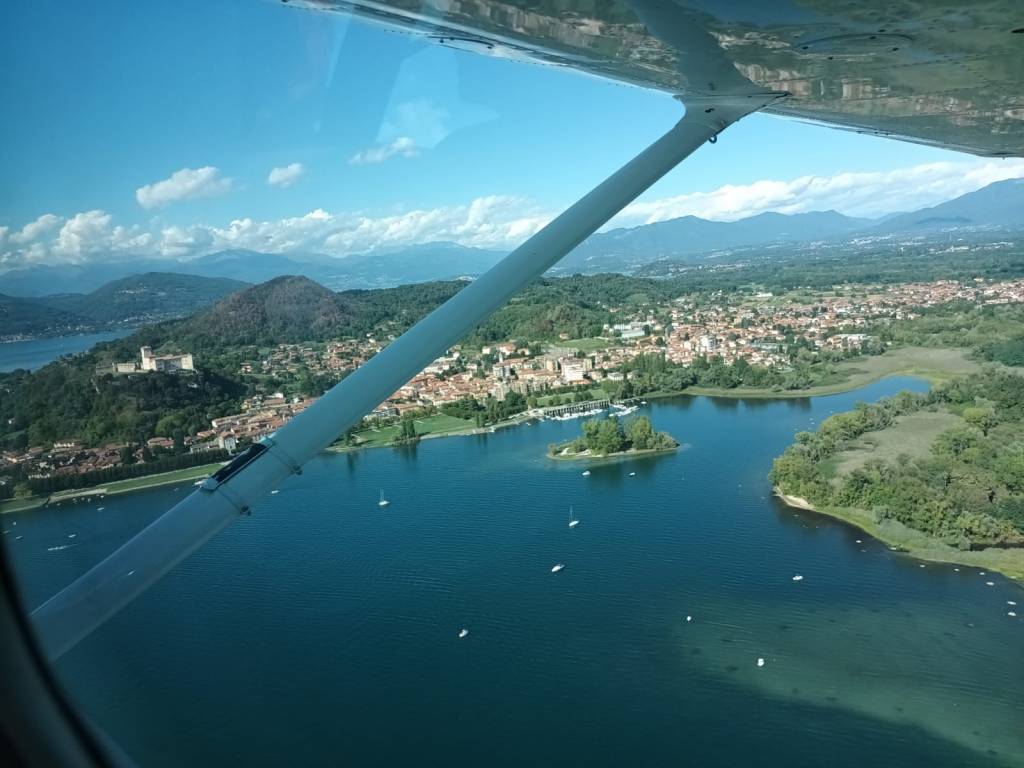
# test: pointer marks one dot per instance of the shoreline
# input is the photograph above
(900, 538)
(115, 488)
(820, 390)
(515, 421)
(908, 361)
(734, 394)
(856, 380)
(630, 454)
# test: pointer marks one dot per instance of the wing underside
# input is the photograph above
(949, 74)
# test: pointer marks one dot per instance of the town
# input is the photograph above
(757, 327)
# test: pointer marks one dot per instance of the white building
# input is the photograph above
(576, 371)
(168, 363)
(633, 330)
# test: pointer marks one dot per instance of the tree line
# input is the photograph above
(43, 486)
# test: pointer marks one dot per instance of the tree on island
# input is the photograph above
(640, 433)
(606, 436)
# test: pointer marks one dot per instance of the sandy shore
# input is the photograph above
(896, 536)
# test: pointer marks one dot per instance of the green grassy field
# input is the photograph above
(431, 425)
(912, 434)
(441, 422)
(166, 478)
(934, 364)
(586, 345)
(594, 393)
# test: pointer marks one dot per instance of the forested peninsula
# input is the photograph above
(940, 474)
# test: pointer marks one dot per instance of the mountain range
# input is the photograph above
(626, 249)
(689, 239)
(379, 269)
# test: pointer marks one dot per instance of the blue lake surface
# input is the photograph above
(322, 630)
(38, 352)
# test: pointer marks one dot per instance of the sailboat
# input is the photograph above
(383, 502)
(573, 522)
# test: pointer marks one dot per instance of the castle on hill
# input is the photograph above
(150, 362)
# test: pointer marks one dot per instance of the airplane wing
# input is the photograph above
(935, 72)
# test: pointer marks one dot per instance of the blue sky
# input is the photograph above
(380, 139)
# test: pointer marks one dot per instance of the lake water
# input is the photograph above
(38, 352)
(323, 629)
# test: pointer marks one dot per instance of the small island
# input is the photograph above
(608, 437)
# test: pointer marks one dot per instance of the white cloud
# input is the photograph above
(856, 194)
(486, 222)
(495, 221)
(180, 242)
(281, 235)
(34, 229)
(93, 234)
(286, 175)
(403, 146)
(186, 184)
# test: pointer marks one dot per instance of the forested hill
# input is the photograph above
(146, 297)
(129, 301)
(577, 306)
(296, 309)
(25, 317)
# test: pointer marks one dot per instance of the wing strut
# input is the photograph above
(84, 605)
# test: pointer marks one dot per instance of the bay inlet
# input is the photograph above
(324, 629)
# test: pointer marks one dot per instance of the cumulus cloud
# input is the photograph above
(34, 229)
(85, 237)
(856, 194)
(93, 233)
(487, 222)
(186, 184)
(403, 146)
(286, 175)
(181, 242)
(494, 221)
